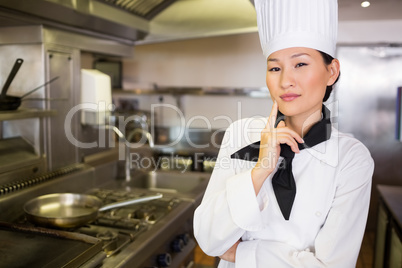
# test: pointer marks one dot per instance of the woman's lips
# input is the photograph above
(289, 96)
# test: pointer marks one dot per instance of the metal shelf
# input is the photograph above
(25, 113)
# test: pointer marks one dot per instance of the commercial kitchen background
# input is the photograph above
(213, 75)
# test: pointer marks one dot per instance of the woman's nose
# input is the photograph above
(287, 79)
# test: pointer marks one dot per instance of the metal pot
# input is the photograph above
(67, 210)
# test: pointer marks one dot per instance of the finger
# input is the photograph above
(272, 116)
(281, 129)
(285, 139)
(288, 131)
(280, 136)
(281, 124)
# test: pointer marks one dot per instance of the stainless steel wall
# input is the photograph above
(366, 96)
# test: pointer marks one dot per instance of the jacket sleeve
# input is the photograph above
(229, 206)
(338, 242)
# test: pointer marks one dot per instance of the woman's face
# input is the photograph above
(297, 79)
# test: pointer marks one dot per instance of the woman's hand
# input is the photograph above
(271, 138)
(230, 254)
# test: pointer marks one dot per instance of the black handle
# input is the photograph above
(11, 76)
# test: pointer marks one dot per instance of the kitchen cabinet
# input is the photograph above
(34, 133)
(37, 137)
(17, 153)
(46, 127)
(395, 257)
(388, 245)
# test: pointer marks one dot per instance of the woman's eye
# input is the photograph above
(300, 64)
(274, 69)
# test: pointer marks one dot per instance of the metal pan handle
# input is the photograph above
(130, 202)
(11, 76)
(33, 90)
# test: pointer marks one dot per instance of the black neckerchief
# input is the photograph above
(283, 181)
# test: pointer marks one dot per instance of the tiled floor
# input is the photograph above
(365, 259)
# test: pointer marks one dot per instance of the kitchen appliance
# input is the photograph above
(96, 97)
(155, 233)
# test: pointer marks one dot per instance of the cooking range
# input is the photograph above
(155, 233)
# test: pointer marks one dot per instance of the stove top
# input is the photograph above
(155, 233)
(133, 217)
(120, 226)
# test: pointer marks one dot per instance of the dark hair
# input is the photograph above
(327, 60)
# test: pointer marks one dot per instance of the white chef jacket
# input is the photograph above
(328, 217)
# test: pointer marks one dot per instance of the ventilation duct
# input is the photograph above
(146, 9)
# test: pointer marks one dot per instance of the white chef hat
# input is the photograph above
(297, 23)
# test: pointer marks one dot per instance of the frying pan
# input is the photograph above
(68, 210)
(10, 102)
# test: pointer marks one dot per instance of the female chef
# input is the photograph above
(289, 190)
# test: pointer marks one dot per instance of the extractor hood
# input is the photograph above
(185, 19)
(142, 21)
(134, 20)
(146, 9)
(126, 20)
